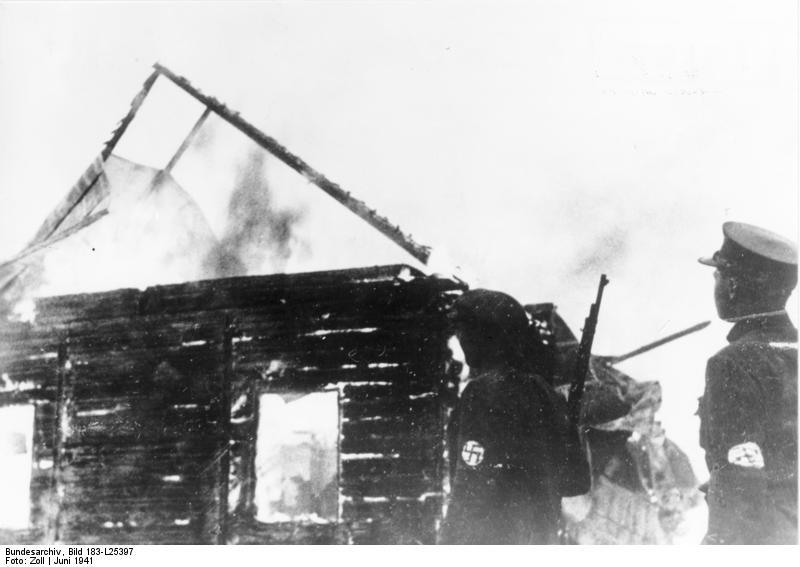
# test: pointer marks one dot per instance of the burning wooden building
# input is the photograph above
(287, 408)
(304, 407)
(166, 415)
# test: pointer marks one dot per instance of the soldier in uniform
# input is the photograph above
(748, 412)
(514, 453)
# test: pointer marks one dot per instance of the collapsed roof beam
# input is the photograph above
(188, 140)
(43, 244)
(136, 103)
(382, 224)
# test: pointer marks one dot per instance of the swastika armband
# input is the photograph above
(746, 455)
(472, 453)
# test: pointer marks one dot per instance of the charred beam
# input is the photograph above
(359, 208)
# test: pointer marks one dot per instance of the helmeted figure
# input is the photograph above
(513, 451)
(748, 412)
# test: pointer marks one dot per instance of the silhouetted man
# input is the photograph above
(748, 412)
(510, 437)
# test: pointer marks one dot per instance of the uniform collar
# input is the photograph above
(775, 321)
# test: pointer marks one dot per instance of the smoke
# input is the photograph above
(259, 236)
(15, 283)
(157, 233)
(606, 252)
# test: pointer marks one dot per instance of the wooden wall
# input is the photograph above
(134, 441)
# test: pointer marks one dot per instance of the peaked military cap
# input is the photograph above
(752, 250)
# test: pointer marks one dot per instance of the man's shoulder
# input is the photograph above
(727, 368)
(508, 389)
(762, 334)
(731, 351)
(727, 355)
(741, 364)
(746, 347)
(754, 347)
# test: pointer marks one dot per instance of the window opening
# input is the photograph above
(16, 450)
(297, 456)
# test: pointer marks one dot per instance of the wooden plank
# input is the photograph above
(140, 508)
(26, 396)
(386, 509)
(36, 370)
(171, 381)
(244, 532)
(144, 361)
(87, 498)
(390, 478)
(141, 464)
(355, 410)
(141, 425)
(82, 307)
(189, 448)
(123, 334)
(138, 475)
(376, 468)
(179, 475)
(366, 356)
(336, 313)
(154, 505)
(356, 290)
(125, 517)
(369, 390)
(314, 377)
(399, 442)
(349, 297)
(24, 337)
(135, 507)
(429, 422)
(393, 521)
(367, 338)
(320, 279)
(411, 486)
(132, 536)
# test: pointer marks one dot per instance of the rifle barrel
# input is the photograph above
(655, 344)
(584, 355)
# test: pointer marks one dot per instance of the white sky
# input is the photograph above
(537, 144)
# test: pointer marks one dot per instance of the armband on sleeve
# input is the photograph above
(746, 455)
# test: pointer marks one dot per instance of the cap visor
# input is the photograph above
(708, 262)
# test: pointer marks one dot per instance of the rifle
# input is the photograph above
(584, 355)
(655, 344)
